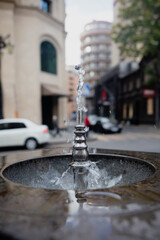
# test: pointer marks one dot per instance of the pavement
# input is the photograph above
(141, 138)
(134, 138)
(142, 128)
(67, 135)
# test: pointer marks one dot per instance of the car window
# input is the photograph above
(3, 126)
(93, 118)
(104, 120)
(12, 125)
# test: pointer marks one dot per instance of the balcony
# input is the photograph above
(94, 42)
(94, 32)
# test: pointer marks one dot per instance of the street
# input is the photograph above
(140, 138)
(133, 138)
(136, 138)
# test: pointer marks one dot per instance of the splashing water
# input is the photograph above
(96, 178)
(86, 173)
(59, 181)
(80, 107)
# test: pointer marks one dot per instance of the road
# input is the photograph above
(134, 138)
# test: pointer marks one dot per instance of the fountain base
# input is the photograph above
(101, 171)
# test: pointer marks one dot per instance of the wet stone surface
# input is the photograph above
(130, 211)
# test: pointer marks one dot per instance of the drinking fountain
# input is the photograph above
(82, 194)
(80, 170)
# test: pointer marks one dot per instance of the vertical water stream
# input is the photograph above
(79, 100)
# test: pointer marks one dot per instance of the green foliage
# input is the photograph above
(151, 77)
(138, 31)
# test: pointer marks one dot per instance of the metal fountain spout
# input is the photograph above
(80, 148)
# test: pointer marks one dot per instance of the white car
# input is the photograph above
(22, 132)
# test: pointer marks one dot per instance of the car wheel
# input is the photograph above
(120, 130)
(114, 129)
(31, 144)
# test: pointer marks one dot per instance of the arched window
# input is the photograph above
(48, 58)
(46, 6)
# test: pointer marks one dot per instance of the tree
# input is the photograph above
(138, 30)
(138, 36)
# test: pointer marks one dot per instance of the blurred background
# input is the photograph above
(117, 43)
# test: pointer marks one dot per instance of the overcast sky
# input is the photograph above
(80, 12)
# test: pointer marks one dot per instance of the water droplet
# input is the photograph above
(94, 150)
(66, 122)
(85, 109)
(86, 129)
(64, 151)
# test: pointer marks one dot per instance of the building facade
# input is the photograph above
(72, 79)
(95, 54)
(33, 76)
(129, 95)
(115, 50)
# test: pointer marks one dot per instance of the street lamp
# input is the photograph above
(3, 44)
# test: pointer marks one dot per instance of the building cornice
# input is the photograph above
(8, 4)
(46, 17)
(7, 1)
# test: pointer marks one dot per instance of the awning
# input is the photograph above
(52, 90)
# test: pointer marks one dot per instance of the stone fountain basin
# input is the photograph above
(54, 172)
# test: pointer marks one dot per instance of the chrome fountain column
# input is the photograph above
(80, 148)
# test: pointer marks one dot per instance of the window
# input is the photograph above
(3, 126)
(130, 86)
(103, 47)
(12, 125)
(87, 40)
(103, 38)
(46, 6)
(124, 87)
(150, 106)
(92, 74)
(124, 111)
(138, 83)
(48, 58)
(87, 49)
(130, 110)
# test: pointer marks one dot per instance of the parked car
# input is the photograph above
(104, 125)
(22, 132)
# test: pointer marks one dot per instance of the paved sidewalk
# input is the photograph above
(142, 128)
(64, 136)
(67, 136)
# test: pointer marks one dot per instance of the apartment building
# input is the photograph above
(95, 54)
